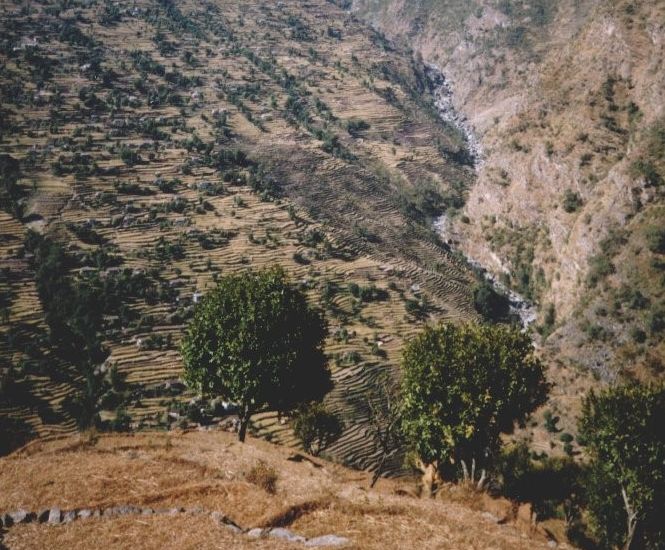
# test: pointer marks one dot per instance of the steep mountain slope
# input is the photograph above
(567, 99)
(156, 144)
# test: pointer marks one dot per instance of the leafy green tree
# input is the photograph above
(255, 341)
(624, 432)
(463, 386)
(316, 427)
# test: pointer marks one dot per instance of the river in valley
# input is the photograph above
(442, 92)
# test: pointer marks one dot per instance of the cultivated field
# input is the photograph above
(162, 144)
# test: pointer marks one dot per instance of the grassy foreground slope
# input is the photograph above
(209, 471)
(161, 143)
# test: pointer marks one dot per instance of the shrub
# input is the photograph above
(646, 169)
(551, 422)
(264, 476)
(316, 427)
(354, 127)
(600, 267)
(492, 305)
(572, 201)
(129, 156)
(656, 240)
(657, 321)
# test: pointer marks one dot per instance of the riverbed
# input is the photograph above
(442, 92)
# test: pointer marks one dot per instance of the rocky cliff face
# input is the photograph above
(567, 99)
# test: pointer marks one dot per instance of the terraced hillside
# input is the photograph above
(149, 146)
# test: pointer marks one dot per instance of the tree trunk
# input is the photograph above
(244, 422)
(631, 520)
(378, 471)
(431, 478)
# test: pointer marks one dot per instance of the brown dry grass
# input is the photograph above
(137, 533)
(207, 470)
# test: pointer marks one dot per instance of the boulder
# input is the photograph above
(123, 510)
(218, 517)
(20, 516)
(54, 516)
(85, 513)
(326, 540)
(226, 522)
(285, 534)
(42, 517)
(256, 533)
(68, 517)
(233, 528)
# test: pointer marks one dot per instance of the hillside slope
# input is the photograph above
(155, 145)
(157, 491)
(567, 101)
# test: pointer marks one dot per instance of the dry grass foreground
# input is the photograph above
(208, 470)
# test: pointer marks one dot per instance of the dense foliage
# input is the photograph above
(492, 305)
(316, 427)
(625, 436)
(255, 341)
(553, 485)
(76, 308)
(464, 385)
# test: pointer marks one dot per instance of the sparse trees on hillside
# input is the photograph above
(624, 432)
(463, 386)
(255, 341)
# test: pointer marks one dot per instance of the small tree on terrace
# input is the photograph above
(255, 341)
(463, 386)
(383, 404)
(316, 427)
(624, 430)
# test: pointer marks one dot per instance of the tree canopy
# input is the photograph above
(255, 341)
(316, 427)
(624, 432)
(463, 385)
